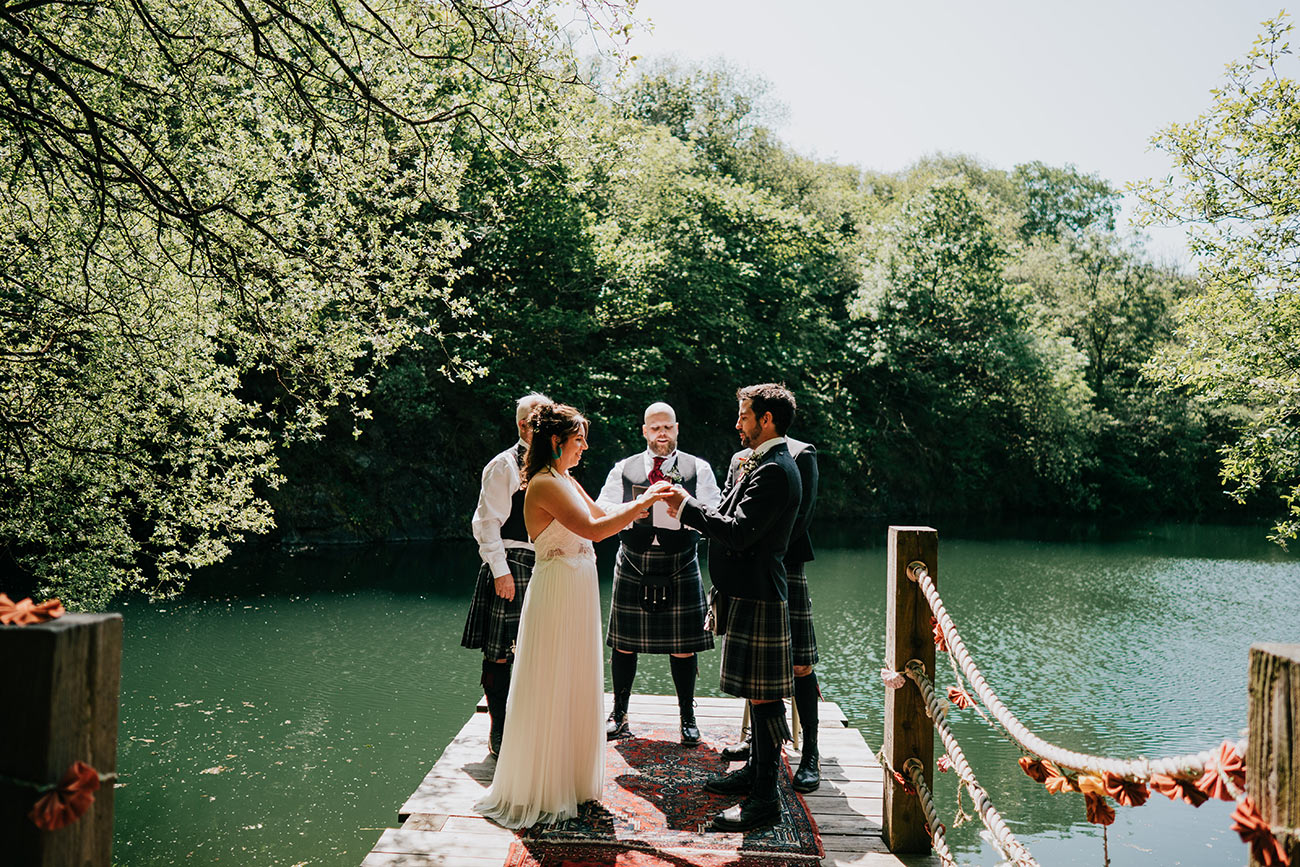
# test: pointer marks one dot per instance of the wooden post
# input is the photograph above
(1273, 747)
(60, 706)
(908, 731)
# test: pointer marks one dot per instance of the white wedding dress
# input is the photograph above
(553, 752)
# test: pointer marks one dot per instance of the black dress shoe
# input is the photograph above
(616, 726)
(690, 732)
(494, 743)
(809, 775)
(748, 814)
(738, 782)
(735, 752)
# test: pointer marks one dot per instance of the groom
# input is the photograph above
(748, 534)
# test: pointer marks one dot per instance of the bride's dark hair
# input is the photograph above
(547, 420)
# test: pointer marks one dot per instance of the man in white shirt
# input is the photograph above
(658, 604)
(498, 526)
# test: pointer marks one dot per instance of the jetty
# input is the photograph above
(440, 828)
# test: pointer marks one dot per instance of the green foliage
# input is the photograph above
(219, 221)
(1239, 195)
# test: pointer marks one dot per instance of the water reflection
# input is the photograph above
(282, 710)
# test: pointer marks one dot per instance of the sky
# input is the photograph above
(881, 84)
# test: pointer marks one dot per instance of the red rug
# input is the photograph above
(655, 814)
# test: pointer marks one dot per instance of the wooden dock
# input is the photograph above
(439, 827)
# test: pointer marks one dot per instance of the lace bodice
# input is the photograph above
(558, 540)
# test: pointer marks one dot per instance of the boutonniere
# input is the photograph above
(674, 476)
(747, 464)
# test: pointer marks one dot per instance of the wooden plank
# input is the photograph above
(399, 841)
(1273, 746)
(908, 731)
(60, 706)
(424, 822)
(396, 859)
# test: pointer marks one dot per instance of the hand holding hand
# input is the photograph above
(675, 498)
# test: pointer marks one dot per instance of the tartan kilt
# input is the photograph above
(493, 623)
(756, 659)
(679, 628)
(803, 638)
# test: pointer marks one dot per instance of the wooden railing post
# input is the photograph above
(908, 731)
(1273, 746)
(59, 707)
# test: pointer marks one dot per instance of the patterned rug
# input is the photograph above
(655, 814)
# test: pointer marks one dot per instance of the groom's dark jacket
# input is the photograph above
(749, 531)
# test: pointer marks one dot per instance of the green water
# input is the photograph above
(284, 725)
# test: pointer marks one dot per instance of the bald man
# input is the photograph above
(659, 602)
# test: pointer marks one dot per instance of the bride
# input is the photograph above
(553, 753)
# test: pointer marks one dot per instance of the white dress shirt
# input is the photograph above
(500, 481)
(706, 487)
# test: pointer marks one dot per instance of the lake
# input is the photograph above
(282, 709)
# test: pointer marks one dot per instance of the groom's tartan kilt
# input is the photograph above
(679, 627)
(493, 622)
(803, 638)
(756, 659)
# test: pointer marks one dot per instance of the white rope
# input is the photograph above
(1003, 840)
(914, 771)
(1133, 769)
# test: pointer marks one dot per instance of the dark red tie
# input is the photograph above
(657, 473)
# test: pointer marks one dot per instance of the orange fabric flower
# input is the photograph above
(69, 801)
(1126, 792)
(1174, 788)
(960, 697)
(1057, 781)
(1091, 785)
(1230, 764)
(905, 783)
(940, 645)
(1250, 825)
(1035, 768)
(1099, 812)
(27, 612)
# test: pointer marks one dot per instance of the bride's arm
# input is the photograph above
(596, 509)
(575, 511)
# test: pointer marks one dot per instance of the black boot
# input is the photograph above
(496, 688)
(737, 752)
(738, 782)
(623, 667)
(809, 775)
(684, 670)
(763, 806)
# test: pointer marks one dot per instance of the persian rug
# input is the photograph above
(655, 814)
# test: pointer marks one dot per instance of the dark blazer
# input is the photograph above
(800, 549)
(749, 531)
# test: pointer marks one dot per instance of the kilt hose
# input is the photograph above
(493, 623)
(679, 627)
(756, 658)
(803, 638)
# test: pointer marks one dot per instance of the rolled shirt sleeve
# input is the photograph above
(611, 493)
(500, 481)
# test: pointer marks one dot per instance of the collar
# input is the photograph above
(669, 460)
(520, 444)
(766, 446)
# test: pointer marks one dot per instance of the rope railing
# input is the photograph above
(1005, 842)
(1195, 777)
(1142, 769)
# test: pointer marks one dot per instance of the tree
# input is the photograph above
(1238, 194)
(219, 220)
(967, 401)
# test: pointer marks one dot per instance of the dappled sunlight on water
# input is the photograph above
(284, 725)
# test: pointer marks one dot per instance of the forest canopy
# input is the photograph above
(283, 268)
